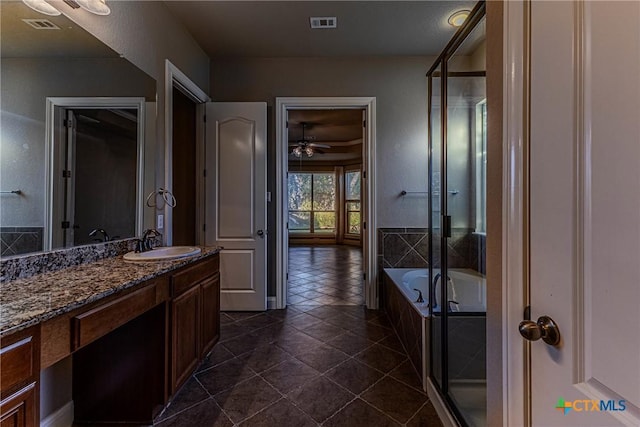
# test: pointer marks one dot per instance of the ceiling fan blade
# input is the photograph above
(314, 145)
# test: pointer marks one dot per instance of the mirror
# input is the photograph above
(52, 69)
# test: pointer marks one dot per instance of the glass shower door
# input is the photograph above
(465, 157)
(457, 174)
(435, 210)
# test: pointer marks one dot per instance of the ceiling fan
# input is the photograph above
(305, 146)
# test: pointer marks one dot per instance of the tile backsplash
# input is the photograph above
(20, 240)
(37, 263)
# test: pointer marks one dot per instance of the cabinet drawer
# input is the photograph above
(98, 322)
(191, 275)
(20, 409)
(19, 362)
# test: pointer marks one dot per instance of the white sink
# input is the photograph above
(162, 254)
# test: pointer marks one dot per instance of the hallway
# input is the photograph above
(325, 275)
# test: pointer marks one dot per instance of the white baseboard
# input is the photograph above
(439, 405)
(271, 303)
(63, 417)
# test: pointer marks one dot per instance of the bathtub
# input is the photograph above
(466, 287)
(411, 319)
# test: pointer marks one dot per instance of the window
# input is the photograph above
(481, 166)
(352, 202)
(312, 203)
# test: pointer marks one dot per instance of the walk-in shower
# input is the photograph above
(457, 179)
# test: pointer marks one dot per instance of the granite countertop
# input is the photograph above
(28, 301)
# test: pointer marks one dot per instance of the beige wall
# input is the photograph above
(26, 83)
(399, 85)
(145, 34)
(494, 212)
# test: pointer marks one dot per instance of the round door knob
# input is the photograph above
(544, 328)
(260, 233)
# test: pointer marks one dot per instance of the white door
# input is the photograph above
(585, 211)
(236, 200)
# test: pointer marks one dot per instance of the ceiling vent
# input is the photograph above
(41, 24)
(323, 22)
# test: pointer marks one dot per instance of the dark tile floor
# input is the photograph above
(325, 275)
(314, 364)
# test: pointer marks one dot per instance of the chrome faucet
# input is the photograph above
(105, 236)
(146, 242)
(453, 292)
(420, 299)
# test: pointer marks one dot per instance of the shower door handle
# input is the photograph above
(544, 328)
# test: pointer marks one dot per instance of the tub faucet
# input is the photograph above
(105, 236)
(420, 299)
(451, 293)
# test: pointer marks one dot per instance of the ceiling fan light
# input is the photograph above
(297, 151)
(98, 7)
(309, 151)
(42, 7)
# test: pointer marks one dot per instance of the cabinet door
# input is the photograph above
(19, 410)
(185, 336)
(210, 300)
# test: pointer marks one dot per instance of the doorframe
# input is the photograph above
(516, 393)
(369, 237)
(52, 132)
(174, 78)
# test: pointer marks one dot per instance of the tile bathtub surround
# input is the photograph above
(409, 248)
(407, 323)
(273, 369)
(403, 247)
(31, 300)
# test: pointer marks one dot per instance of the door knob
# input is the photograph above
(261, 233)
(544, 328)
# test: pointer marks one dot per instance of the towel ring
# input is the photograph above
(168, 198)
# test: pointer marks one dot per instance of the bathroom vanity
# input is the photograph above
(135, 331)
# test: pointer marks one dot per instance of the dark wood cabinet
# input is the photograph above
(20, 364)
(19, 409)
(131, 350)
(210, 309)
(195, 317)
(185, 339)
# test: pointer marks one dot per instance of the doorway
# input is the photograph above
(94, 152)
(184, 166)
(183, 224)
(324, 206)
(320, 228)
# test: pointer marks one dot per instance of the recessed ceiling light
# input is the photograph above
(458, 18)
(42, 7)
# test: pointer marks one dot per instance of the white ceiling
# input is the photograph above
(281, 28)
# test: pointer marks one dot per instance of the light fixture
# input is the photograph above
(457, 18)
(42, 7)
(98, 7)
